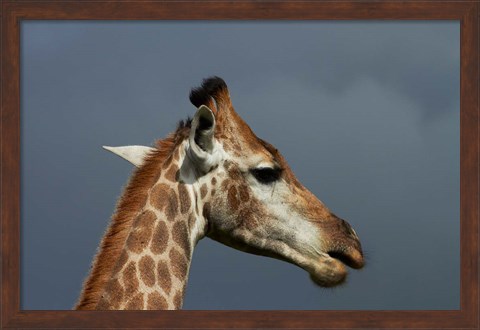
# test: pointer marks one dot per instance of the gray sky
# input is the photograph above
(366, 113)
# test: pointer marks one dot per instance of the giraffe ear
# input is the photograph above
(203, 150)
(134, 154)
(201, 134)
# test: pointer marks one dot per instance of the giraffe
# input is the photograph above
(213, 177)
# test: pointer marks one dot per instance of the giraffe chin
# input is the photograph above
(328, 273)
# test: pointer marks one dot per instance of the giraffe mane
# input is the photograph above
(128, 208)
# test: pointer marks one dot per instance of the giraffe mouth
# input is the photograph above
(331, 270)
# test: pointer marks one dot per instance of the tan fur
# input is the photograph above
(145, 255)
(164, 276)
(156, 301)
(132, 200)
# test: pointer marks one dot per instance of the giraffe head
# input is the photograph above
(256, 204)
(249, 198)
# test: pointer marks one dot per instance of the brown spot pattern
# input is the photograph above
(167, 162)
(136, 303)
(181, 237)
(172, 207)
(203, 191)
(156, 301)
(121, 262)
(159, 196)
(160, 238)
(171, 173)
(115, 291)
(234, 174)
(214, 181)
(146, 267)
(225, 185)
(133, 199)
(244, 195)
(184, 198)
(176, 155)
(141, 233)
(103, 304)
(232, 199)
(179, 264)
(178, 299)
(206, 210)
(247, 219)
(130, 280)
(164, 277)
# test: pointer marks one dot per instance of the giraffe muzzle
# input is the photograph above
(352, 257)
(346, 246)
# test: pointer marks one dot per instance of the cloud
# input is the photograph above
(346, 102)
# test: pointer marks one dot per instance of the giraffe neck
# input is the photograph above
(151, 268)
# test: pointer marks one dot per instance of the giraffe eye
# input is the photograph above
(266, 175)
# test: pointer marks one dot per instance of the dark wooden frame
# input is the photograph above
(467, 12)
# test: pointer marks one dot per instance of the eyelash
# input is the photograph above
(266, 175)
